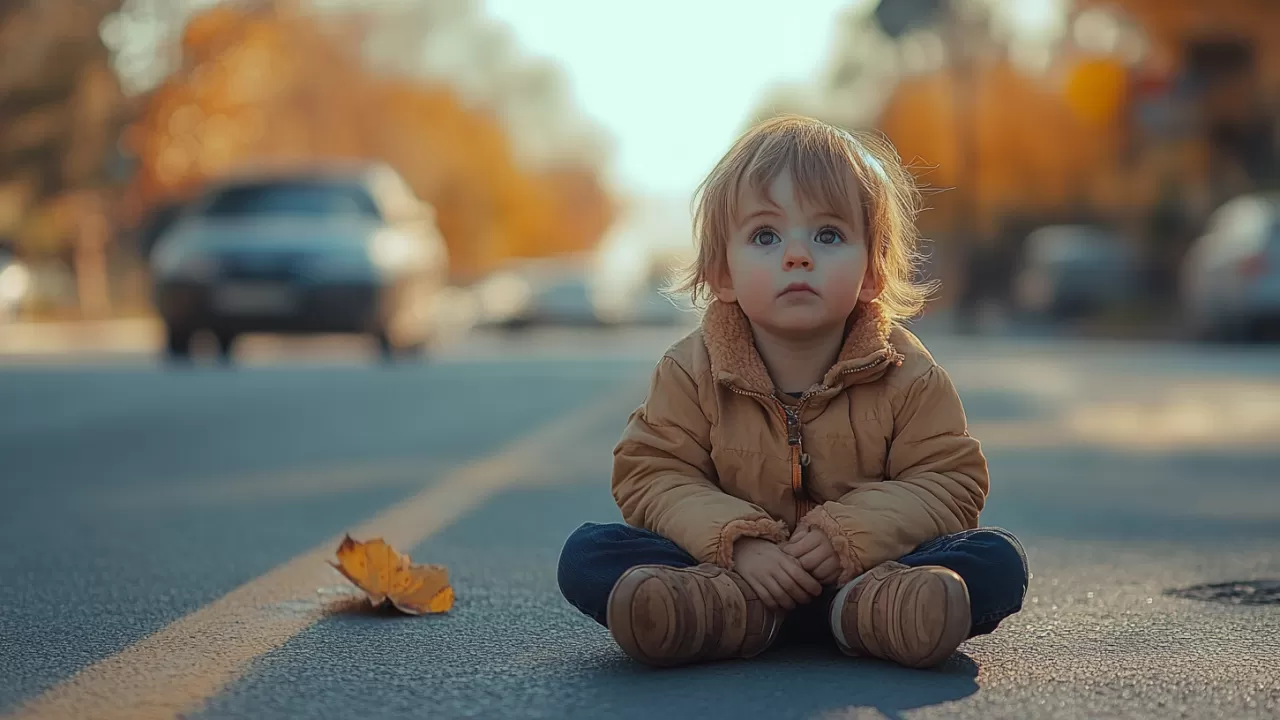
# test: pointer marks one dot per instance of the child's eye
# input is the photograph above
(765, 236)
(829, 236)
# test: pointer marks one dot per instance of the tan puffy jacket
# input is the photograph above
(877, 456)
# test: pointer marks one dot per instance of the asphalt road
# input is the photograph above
(164, 533)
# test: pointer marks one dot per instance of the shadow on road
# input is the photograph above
(833, 686)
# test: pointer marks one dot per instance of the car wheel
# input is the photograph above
(1205, 331)
(177, 344)
(1226, 330)
(517, 324)
(386, 346)
(413, 351)
(226, 347)
(390, 351)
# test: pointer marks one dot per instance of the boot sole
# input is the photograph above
(642, 606)
(629, 618)
(940, 596)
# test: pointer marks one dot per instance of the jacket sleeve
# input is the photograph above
(936, 483)
(664, 479)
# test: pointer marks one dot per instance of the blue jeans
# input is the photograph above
(990, 560)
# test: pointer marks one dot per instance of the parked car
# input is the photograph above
(1230, 280)
(541, 291)
(637, 259)
(1070, 272)
(634, 292)
(327, 250)
(158, 221)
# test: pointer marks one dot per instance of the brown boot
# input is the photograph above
(665, 616)
(914, 616)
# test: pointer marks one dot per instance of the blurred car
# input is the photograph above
(582, 290)
(15, 286)
(636, 261)
(1230, 277)
(542, 291)
(634, 292)
(328, 250)
(1070, 272)
(158, 221)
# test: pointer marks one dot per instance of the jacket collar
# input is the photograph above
(864, 356)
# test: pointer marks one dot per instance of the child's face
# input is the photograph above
(795, 269)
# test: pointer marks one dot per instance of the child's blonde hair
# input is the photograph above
(822, 159)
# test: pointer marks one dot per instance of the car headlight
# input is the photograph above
(14, 281)
(173, 261)
(392, 251)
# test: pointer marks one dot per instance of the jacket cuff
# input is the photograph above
(819, 519)
(764, 528)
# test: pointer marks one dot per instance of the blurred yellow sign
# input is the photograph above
(1095, 90)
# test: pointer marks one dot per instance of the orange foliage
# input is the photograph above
(262, 84)
(1033, 152)
(386, 575)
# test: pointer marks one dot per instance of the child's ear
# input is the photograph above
(871, 286)
(722, 286)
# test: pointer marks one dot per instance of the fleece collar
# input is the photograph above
(864, 356)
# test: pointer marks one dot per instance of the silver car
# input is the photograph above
(1230, 282)
(1071, 272)
(541, 291)
(347, 250)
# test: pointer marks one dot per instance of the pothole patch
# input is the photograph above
(1243, 592)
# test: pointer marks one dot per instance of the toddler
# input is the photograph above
(800, 457)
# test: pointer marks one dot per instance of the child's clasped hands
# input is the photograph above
(791, 573)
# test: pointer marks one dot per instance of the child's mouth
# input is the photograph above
(798, 288)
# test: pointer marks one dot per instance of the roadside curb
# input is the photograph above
(122, 335)
(455, 314)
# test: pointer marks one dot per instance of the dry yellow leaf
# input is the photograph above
(386, 575)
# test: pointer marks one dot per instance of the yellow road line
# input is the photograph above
(176, 670)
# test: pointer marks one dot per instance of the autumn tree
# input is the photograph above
(60, 110)
(281, 82)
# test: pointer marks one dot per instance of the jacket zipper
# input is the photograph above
(790, 415)
(799, 458)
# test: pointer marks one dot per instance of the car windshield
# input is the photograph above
(306, 199)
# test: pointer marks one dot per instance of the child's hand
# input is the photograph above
(814, 551)
(776, 577)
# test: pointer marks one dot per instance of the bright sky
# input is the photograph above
(673, 80)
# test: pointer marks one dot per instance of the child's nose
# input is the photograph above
(797, 257)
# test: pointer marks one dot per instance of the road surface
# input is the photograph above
(166, 532)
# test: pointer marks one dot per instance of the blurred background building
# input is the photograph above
(1105, 164)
